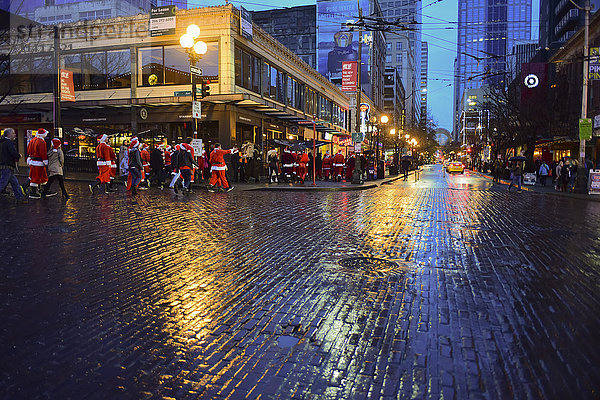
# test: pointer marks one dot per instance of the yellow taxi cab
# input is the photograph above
(455, 166)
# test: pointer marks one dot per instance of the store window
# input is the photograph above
(93, 70)
(247, 70)
(118, 68)
(150, 59)
(72, 62)
(177, 66)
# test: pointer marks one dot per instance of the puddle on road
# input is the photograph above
(287, 341)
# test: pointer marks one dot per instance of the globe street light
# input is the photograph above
(195, 49)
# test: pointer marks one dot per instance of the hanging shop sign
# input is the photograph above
(585, 128)
(67, 88)
(349, 76)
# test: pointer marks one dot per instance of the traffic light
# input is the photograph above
(205, 88)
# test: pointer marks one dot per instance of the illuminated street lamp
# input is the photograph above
(195, 49)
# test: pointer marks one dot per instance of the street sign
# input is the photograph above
(357, 147)
(197, 146)
(585, 128)
(358, 137)
(195, 70)
(196, 109)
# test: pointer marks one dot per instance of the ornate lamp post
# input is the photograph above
(195, 49)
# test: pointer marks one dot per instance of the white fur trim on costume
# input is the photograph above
(215, 168)
(100, 163)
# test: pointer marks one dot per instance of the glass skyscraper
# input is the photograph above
(487, 32)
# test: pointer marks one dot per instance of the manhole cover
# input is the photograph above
(372, 266)
(287, 341)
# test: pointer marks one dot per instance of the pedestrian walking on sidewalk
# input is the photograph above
(218, 179)
(9, 156)
(273, 165)
(543, 171)
(56, 162)
(515, 176)
(145, 155)
(327, 164)
(103, 162)
(565, 176)
(37, 160)
(303, 166)
(123, 150)
(497, 169)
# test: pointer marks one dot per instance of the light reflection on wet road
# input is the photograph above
(490, 294)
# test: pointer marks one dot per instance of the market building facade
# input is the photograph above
(128, 81)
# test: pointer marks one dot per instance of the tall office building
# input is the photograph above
(404, 51)
(293, 27)
(487, 32)
(424, 64)
(560, 19)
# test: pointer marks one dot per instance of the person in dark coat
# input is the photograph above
(319, 165)
(235, 167)
(8, 163)
(157, 166)
(405, 167)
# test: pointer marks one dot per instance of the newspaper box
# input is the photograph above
(529, 179)
(594, 182)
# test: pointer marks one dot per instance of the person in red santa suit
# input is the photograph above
(145, 154)
(327, 163)
(350, 165)
(218, 168)
(103, 163)
(338, 166)
(287, 165)
(303, 166)
(37, 159)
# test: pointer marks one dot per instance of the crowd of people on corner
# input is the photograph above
(174, 166)
(562, 172)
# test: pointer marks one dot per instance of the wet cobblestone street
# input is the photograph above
(482, 294)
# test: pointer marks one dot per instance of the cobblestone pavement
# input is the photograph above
(478, 293)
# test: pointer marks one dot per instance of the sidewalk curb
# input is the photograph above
(307, 188)
(578, 196)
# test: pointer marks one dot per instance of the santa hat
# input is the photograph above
(55, 144)
(134, 143)
(187, 147)
(168, 148)
(177, 147)
(103, 138)
(41, 133)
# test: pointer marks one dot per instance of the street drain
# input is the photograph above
(371, 266)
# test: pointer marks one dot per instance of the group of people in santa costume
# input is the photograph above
(45, 167)
(296, 166)
(176, 163)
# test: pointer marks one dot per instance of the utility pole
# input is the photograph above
(56, 102)
(357, 173)
(584, 95)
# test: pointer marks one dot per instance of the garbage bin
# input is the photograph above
(380, 170)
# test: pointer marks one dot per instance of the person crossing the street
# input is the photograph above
(37, 160)
(9, 156)
(103, 162)
(218, 167)
(56, 162)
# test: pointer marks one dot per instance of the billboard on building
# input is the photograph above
(335, 43)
